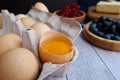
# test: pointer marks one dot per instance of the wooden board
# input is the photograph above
(92, 14)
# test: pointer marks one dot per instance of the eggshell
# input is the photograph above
(46, 56)
(40, 28)
(0, 21)
(19, 64)
(27, 21)
(9, 41)
(41, 6)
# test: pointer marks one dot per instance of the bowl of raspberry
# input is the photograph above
(72, 11)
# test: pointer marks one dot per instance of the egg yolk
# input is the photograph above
(57, 47)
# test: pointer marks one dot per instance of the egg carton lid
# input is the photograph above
(69, 27)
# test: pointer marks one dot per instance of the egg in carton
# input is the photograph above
(30, 40)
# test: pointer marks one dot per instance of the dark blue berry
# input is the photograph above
(94, 30)
(100, 26)
(117, 23)
(95, 21)
(107, 24)
(113, 28)
(108, 36)
(101, 34)
(102, 19)
(109, 19)
(93, 26)
(116, 37)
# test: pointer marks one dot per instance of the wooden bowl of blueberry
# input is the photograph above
(104, 33)
(72, 11)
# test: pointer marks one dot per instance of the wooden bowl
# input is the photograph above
(79, 19)
(47, 56)
(99, 41)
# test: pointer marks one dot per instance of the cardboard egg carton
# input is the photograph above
(69, 27)
(30, 40)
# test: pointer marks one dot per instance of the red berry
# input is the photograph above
(70, 10)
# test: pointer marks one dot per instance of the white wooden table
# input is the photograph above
(92, 63)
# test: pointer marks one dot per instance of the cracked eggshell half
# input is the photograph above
(55, 47)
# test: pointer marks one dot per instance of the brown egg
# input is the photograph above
(40, 28)
(9, 41)
(41, 6)
(19, 64)
(0, 21)
(19, 16)
(27, 21)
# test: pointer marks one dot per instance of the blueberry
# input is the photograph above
(107, 24)
(102, 19)
(95, 21)
(116, 33)
(100, 26)
(113, 28)
(106, 30)
(116, 37)
(93, 25)
(108, 36)
(113, 21)
(94, 30)
(106, 27)
(101, 34)
(117, 23)
(109, 19)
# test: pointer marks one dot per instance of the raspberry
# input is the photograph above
(70, 10)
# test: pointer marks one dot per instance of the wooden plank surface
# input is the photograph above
(56, 78)
(92, 63)
(89, 65)
(112, 60)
